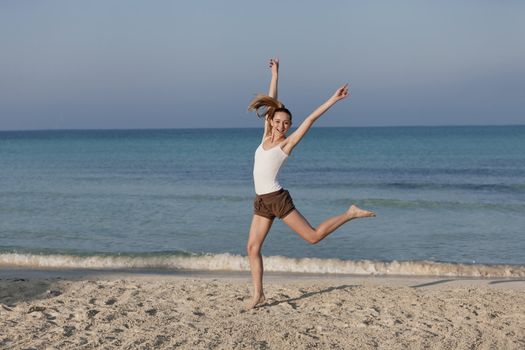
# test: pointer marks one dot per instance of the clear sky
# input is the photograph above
(178, 64)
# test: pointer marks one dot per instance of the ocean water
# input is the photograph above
(449, 200)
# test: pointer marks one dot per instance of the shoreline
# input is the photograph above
(6, 273)
(226, 262)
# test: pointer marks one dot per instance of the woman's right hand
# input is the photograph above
(274, 66)
(340, 93)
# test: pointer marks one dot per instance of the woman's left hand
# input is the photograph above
(274, 66)
(341, 93)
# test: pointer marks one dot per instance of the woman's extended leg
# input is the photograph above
(258, 230)
(299, 224)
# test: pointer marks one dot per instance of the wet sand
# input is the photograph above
(145, 309)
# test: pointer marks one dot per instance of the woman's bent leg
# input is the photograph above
(258, 230)
(299, 224)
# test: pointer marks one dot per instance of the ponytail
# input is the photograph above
(269, 106)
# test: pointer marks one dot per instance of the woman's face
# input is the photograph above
(281, 123)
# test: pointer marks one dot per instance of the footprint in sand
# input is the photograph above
(111, 301)
(69, 330)
(91, 313)
(36, 309)
(159, 340)
(151, 312)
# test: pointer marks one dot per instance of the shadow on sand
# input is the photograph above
(456, 279)
(506, 281)
(433, 283)
(292, 301)
(15, 290)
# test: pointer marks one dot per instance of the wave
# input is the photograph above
(231, 262)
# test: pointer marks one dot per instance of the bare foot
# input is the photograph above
(255, 302)
(354, 212)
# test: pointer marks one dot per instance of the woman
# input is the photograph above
(271, 199)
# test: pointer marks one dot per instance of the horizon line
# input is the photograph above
(254, 127)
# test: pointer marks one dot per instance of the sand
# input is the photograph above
(139, 310)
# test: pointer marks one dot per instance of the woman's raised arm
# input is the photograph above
(298, 134)
(274, 67)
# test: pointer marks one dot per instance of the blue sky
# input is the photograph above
(171, 64)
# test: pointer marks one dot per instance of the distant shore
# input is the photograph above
(110, 309)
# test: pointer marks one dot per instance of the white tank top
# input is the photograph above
(266, 168)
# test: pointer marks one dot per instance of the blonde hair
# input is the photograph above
(269, 106)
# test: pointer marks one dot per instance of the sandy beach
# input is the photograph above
(83, 309)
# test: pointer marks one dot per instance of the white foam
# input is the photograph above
(230, 262)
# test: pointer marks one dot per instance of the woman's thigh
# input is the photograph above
(297, 222)
(259, 229)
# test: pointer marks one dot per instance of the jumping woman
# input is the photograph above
(271, 199)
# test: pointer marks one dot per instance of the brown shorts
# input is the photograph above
(273, 204)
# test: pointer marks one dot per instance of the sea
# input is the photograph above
(450, 201)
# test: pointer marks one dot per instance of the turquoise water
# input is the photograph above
(444, 194)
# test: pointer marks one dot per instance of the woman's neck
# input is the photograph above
(274, 138)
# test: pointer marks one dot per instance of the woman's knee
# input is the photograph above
(310, 236)
(253, 248)
(313, 240)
